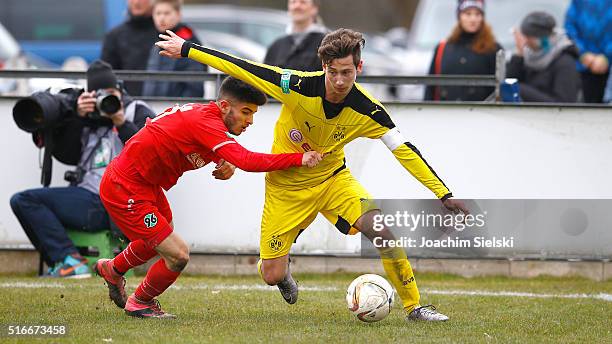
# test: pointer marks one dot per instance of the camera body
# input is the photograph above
(74, 177)
(107, 104)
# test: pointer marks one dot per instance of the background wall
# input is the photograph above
(479, 151)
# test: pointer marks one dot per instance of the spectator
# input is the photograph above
(589, 24)
(545, 62)
(128, 45)
(608, 92)
(298, 50)
(44, 213)
(470, 49)
(167, 16)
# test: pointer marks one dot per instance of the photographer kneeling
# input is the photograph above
(106, 117)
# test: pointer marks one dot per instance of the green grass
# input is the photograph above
(210, 313)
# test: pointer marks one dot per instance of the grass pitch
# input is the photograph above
(243, 310)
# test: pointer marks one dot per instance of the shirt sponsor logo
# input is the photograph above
(196, 160)
(296, 135)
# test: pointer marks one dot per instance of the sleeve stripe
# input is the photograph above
(393, 139)
(221, 145)
(414, 149)
(267, 73)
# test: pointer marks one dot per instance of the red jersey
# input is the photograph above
(188, 137)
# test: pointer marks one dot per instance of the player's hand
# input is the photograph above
(86, 103)
(311, 159)
(170, 45)
(456, 206)
(224, 170)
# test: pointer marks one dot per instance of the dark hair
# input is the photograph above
(241, 91)
(484, 41)
(341, 43)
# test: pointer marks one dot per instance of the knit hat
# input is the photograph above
(100, 75)
(463, 5)
(538, 24)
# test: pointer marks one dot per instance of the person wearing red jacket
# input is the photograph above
(180, 139)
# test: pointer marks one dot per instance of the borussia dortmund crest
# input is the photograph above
(275, 243)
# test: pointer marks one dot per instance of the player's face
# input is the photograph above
(165, 17)
(237, 116)
(340, 76)
(470, 20)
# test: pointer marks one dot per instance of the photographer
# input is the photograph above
(106, 117)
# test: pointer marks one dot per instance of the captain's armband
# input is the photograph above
(393, 139)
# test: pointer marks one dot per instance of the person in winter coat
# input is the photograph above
(545, 61)
(167, 16)
(127, 46)
(298, 49)
(469, 50)
(588, 24)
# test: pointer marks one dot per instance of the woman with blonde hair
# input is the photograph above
(470, 49)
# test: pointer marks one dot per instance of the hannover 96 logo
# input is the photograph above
(150, 220)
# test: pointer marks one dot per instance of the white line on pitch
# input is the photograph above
(315, 288)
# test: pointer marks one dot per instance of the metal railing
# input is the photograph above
(492, 80)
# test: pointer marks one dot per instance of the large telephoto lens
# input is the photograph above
(39, 110)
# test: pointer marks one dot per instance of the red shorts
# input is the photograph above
(137, 207)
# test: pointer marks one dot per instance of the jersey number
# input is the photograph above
(172, 110)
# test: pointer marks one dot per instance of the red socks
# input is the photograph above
(158, 279)
(135, 254)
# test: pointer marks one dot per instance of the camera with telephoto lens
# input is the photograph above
(107, 104)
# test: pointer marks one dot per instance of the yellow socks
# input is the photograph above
(400, 274)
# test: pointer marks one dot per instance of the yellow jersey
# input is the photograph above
(308, 122)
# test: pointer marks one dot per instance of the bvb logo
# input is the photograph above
(275, 243)
(339, 134)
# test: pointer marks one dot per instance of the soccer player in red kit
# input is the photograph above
(182, 138)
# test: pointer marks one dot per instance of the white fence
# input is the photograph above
(483, 151)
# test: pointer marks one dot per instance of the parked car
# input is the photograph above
(434, 20)
(55, 29)
(262, 26)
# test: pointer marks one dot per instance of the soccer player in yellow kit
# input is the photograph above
(324, 111)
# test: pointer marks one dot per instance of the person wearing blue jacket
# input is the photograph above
(167, 16)
(589, 24)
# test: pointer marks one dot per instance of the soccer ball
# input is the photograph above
(370, 297)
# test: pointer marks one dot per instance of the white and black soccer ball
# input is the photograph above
(370, 297)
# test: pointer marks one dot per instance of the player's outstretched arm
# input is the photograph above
(262, 162)
(270, 79)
